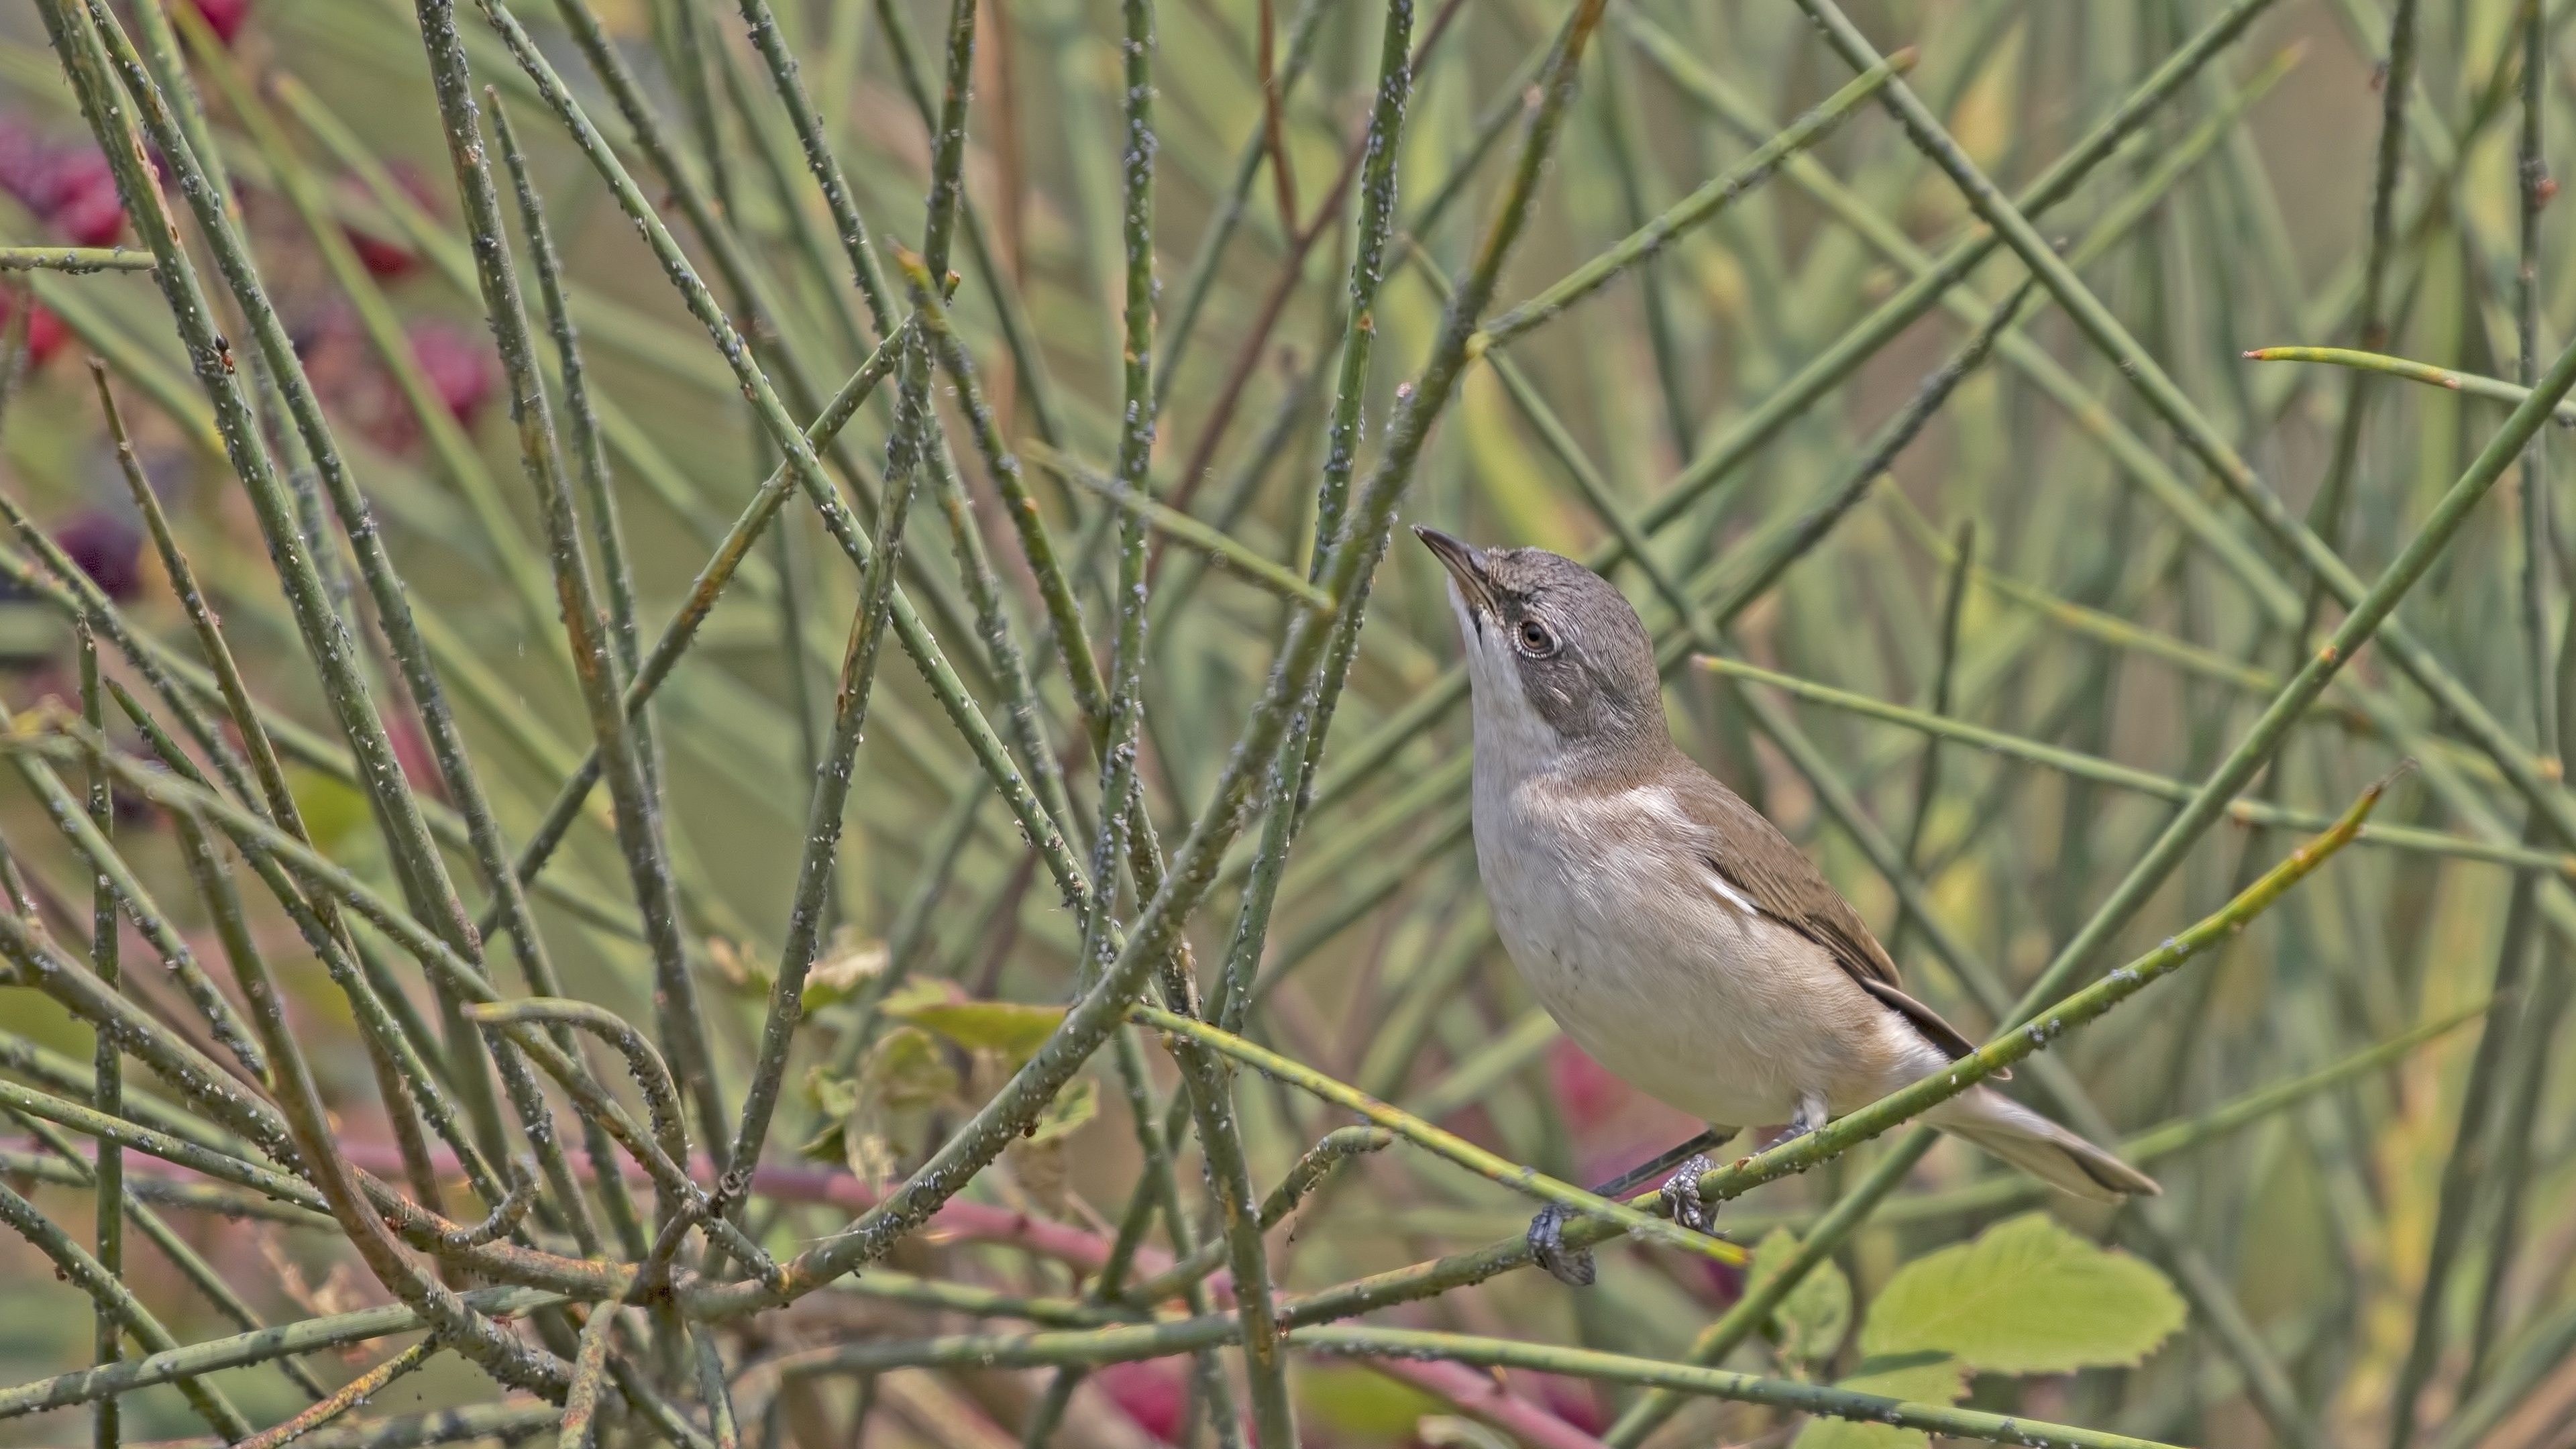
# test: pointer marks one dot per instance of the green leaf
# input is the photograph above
(1361, 1403)
(1074, 1106)
(1450, 1431)
(905, 1069)
(833, 1096)
(333, 809)
(1816, 1314)
(832, 1144)
(2026, 1296)
(1926, 1376)
(920, 992)
(1008, 1027)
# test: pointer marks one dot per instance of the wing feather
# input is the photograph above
(1760, 865)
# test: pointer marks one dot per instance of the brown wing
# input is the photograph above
(1750, 854)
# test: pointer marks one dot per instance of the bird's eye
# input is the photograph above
(1535, 639)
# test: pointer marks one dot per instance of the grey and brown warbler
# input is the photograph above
(1672, 931)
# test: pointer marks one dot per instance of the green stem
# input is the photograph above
(75, 260)
(2469, 383)
(107, 1073)
(1585, 1206)
(1714, 196)
(114, 1300)
(1225, 552)
(2241, 810)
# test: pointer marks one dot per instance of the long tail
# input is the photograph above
(2038, 1146)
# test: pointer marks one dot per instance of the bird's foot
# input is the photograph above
(1681, 1194)
(1569, 1266)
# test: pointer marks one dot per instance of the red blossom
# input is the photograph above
(1725, 1280)
(412, 753)
(68, 185)
(1573, 1400)
(108, 548)
(387, 256)
(224, 17)
(1590, 1094)
(46, 333)
(459, 366)
(1153, 1392)
(85, 207)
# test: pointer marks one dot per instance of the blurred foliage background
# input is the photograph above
(2356, 1106)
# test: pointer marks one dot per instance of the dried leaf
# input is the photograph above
(850, 962)
(734, 967)
(905, 1078)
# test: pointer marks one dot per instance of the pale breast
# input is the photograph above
(1652, 963)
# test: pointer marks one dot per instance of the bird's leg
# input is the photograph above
(1569, 1266)
(1573, 1266)
(1681, 1194)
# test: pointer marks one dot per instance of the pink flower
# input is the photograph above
(386, 256)
(82, 203)
(1574, 1401)
(68, 185)
(1153, 1392)
(224, 17)
(46, 333)
(1590, 1094)
(1725, 1280)
(460, 367)
(107, 547)
(412, 752)
(24, 163)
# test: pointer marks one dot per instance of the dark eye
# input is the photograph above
(1535, 639)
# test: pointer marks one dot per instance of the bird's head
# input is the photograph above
(1560, 665)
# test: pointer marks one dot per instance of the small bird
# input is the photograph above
(1672, 931)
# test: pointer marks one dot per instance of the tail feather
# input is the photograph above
(2039, 1147)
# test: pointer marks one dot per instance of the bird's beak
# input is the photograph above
(1466, 565)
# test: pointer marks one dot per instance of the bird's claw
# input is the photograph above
(1569, 1266)
(1681, 1194)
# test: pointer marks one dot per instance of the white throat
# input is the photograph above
(1513, 740)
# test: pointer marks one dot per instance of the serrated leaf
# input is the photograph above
(1923, 1377)
(2026, 1296)
(1817, 1313)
